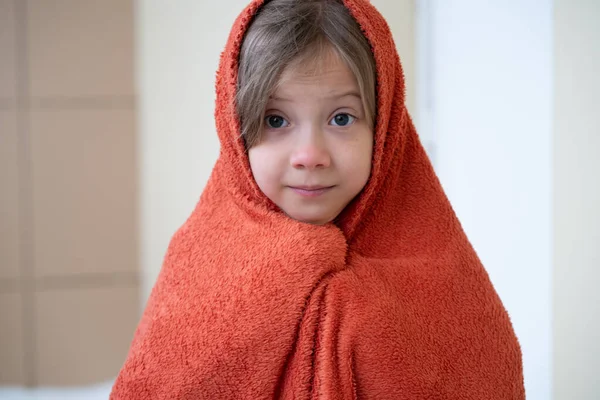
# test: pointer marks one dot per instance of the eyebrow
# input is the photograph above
(352, 93)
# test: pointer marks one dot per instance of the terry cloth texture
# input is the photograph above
(391, 302)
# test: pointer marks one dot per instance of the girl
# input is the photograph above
(323, 259)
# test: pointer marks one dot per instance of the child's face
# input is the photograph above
(315, 153)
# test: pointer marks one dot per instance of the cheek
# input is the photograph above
(365, 170)
(265, 168)
(358, 162)
(367, 156)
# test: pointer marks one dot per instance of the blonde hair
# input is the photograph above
(292, 33)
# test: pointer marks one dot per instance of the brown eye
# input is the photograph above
(275, 121)
(342, 119)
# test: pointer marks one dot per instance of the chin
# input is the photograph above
(311, 219)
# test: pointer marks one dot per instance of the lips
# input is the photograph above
(311, 191)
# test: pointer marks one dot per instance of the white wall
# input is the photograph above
(577, 200)
(491, 101)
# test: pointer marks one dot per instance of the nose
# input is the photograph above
(310, 153)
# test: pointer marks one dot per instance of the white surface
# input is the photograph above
(492, 108)
(95, 392)
(577, 201)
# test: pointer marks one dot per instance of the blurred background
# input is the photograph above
(107, 138)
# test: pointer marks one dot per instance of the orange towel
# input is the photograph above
(389, 303)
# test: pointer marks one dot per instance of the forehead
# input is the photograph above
(327, 73)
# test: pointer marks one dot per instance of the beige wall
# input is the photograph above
(576, 200)
(401, 17)
(68, 234)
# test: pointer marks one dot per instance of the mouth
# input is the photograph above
(311, 191)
